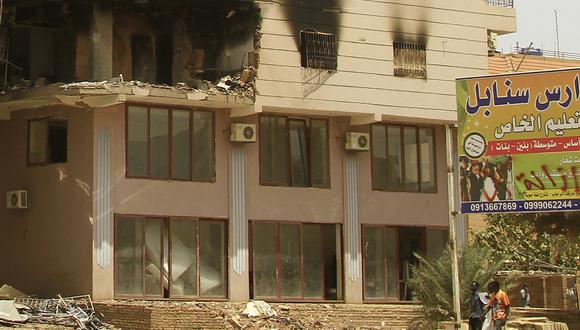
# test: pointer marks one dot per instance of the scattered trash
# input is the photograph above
(77, 312)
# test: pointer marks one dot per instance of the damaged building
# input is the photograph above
(230, 150)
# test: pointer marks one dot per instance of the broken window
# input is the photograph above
(403, 158)
(170, 257)
(294, 151)
(296, 261)
(170, 143)
(389, 257)
(318, 50)
(410, 60)
(47, 141)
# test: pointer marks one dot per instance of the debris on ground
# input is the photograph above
(76, 312)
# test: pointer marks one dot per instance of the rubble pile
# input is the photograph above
(75, 312)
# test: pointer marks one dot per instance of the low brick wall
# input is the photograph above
(570, 317)
(546, 291)
(199, 315)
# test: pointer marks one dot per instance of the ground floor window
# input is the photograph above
(389, 253)
(296, 261)
(170, 257)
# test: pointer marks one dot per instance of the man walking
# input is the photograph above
(476, 308)
(499, 303)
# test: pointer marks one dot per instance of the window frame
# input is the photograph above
(406, 70)
(401, 128)
(46, 142)
(287, 144)
(304, 54)
(279, 298)
(424, 252)
(170, 109)
(166, 221)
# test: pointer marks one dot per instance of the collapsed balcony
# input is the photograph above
(172, 45)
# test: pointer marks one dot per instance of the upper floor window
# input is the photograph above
(170, 143)
(403, 158)
(410, 60)
(294, 151)
(318, 50)
(47, 141)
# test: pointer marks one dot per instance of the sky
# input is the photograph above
(535, 19)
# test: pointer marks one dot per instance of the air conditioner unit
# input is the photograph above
(17, 199)
(357, 141)
(243, 133)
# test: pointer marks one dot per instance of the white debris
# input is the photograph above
(259, 308)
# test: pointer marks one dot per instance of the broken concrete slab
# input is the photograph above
(8, 312)
(8, 292)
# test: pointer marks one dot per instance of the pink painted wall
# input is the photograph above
(47, 248)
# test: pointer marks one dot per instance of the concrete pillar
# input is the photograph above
(101, 42)
(352, 253)
(239, 281)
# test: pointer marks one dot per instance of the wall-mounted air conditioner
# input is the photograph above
(243, 133)
(357, 141)
(17, 199)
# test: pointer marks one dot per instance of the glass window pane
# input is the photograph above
(392, 254)
(312, 261)
(264, 259)
(379, 156)
(299, 154)
(203, 145)
(436, 240)
(394, 169)
(212, 258)
(374, 259)
(290, 272)
(37, 135)
(181, 135)
(411, 159)
(153, 270)
(159, 140)
(183, 258)
(273, 151)
(319, 153)
(129, 256)
(137, 141)
(426, 143)
(332, 263)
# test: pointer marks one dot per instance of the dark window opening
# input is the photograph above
(410, 60)
(47, 141)
(164, 59)
(294, 151)
(142, 55)
(296, 261)
(318, 50)
(403, 158)
(170, 257)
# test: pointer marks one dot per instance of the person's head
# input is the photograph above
(474, 286)
(493, 287)
(476, 168)
(488, 170)
(526, 287)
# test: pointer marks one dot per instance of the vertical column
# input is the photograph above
(104, 216)
(238, 274)
(102, 42)
(353, 281)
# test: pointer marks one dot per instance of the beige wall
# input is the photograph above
(454, 32)
(47, 248)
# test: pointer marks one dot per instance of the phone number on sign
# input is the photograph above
(519, 206)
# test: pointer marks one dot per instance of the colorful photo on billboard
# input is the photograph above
(519, 142)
